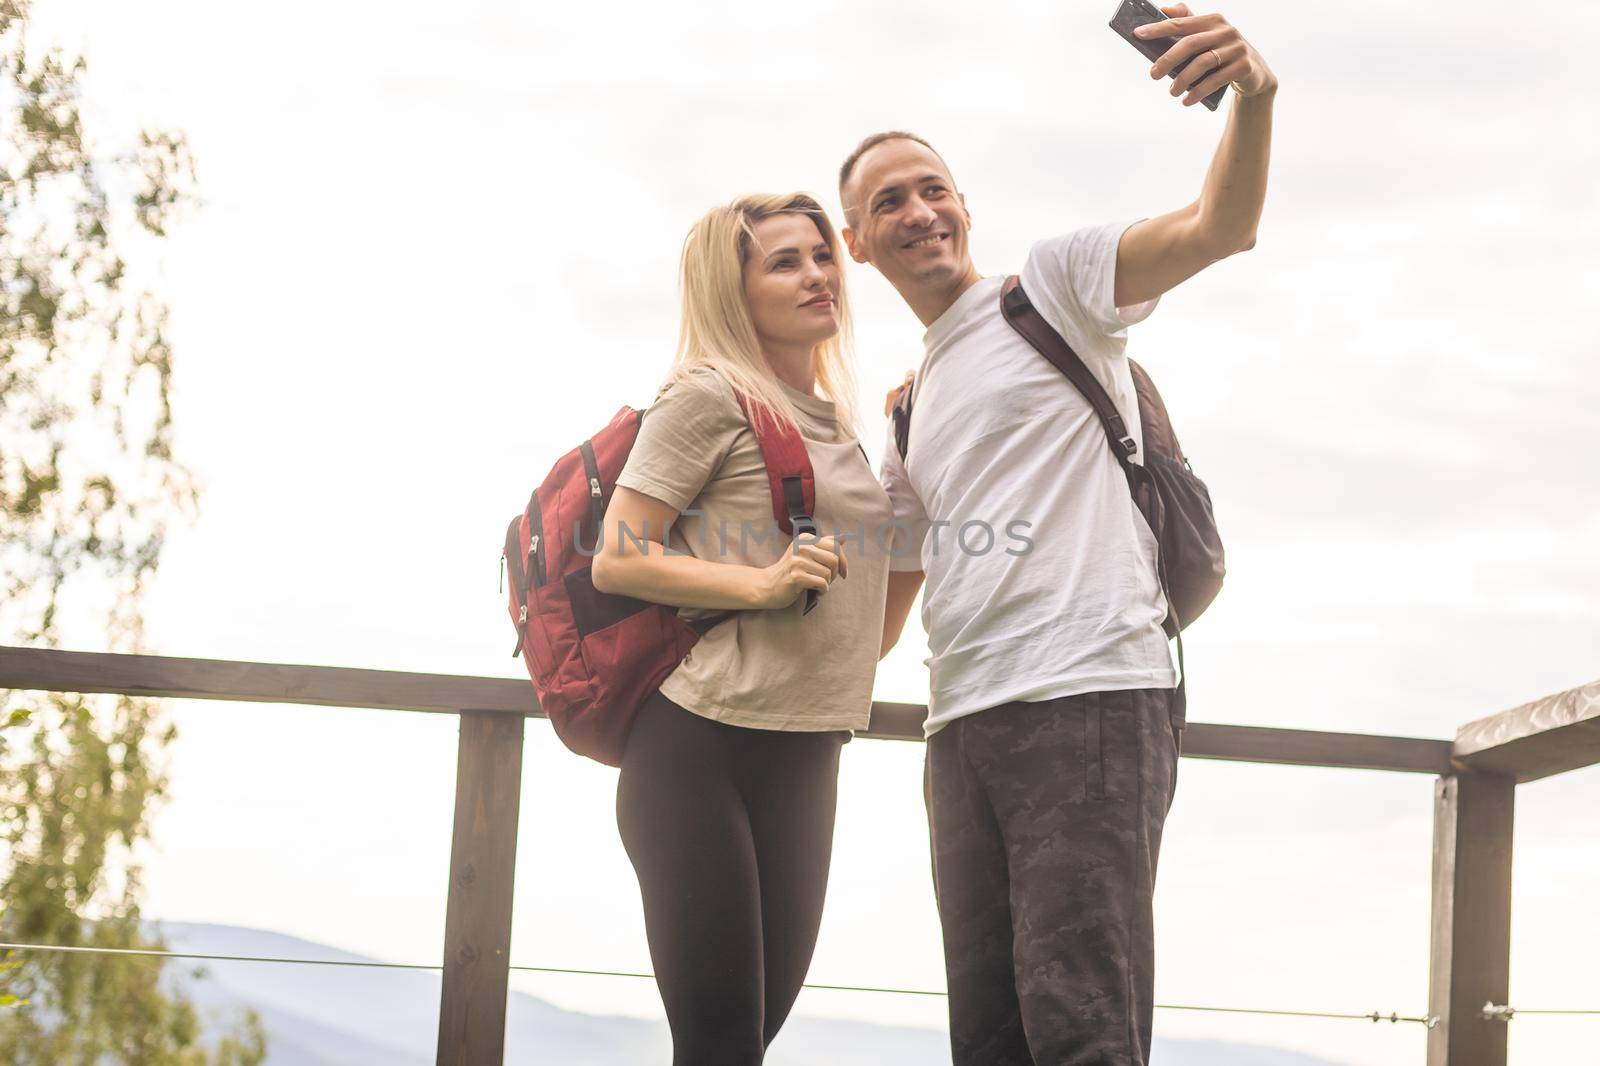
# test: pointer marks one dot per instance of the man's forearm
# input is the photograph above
(1158, 254)
(903, 588)
(1236, 184)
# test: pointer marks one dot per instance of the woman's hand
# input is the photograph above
(811, 563)
(892, 397)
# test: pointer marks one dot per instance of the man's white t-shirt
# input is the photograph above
(1069, 602)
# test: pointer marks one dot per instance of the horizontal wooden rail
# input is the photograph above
(1309, 747)
(1547, 736)
(1472, 825)
(51, 670)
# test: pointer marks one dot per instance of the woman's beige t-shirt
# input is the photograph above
(768, 669)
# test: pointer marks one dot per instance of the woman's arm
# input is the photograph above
(637, 564)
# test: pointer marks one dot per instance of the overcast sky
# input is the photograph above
(438, 250)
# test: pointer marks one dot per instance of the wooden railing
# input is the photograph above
(1474, 804)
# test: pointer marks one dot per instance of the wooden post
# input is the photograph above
(477, 926)
(1473, 816)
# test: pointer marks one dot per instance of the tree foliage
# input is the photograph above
(88, 487)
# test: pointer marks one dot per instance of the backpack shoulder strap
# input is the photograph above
(789, 474)
(1023, 317)
(901, 413)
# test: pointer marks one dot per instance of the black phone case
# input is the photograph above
(1135, 13)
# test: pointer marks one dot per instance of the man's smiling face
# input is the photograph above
(906, 217)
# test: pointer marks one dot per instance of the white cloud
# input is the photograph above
(441, 248)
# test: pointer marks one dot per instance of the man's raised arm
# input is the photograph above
(1157, 254)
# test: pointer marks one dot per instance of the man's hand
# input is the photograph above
(1224, 57)
(1160, 253)
(893, 396)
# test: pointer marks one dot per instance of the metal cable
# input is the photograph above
(651, 976)
(215, 958)
(1499, 1012)
(1375, 1016)
(1431, 1021)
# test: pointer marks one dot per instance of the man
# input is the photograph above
(1052, 737)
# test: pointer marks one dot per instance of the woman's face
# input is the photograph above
(791, 283)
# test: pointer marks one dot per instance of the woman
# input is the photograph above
(726, 796)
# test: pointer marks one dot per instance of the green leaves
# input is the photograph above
(8, 964)
(82, 351)
(88, 486)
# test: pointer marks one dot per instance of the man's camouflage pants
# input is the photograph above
(1046, 823)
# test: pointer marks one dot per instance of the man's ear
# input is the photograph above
(963, 198)
(853, 245)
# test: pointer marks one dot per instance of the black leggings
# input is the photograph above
(730, 831)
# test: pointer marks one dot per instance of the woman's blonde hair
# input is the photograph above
(717, 330)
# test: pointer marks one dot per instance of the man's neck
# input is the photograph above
(931, 302)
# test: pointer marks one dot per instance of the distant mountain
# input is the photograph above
(353, 1016)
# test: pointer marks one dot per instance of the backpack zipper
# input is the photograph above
(531, 575)
(591, 467)
(512, 557)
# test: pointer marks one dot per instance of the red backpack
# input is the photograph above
(596, 657)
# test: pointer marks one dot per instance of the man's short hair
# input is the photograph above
(862, 149)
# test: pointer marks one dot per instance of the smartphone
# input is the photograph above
(1134, 13)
